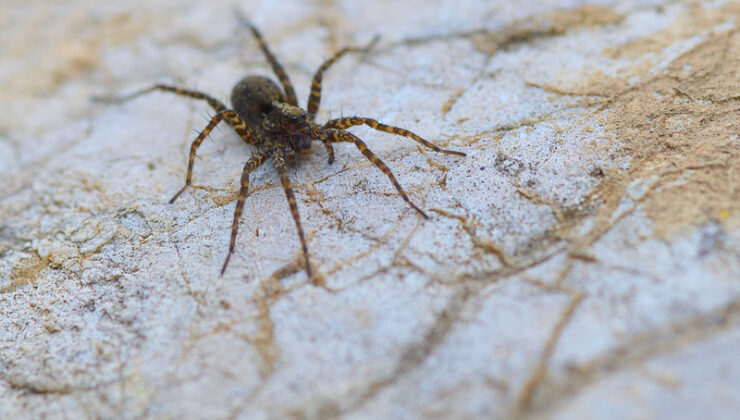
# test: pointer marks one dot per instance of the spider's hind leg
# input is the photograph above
(213, 102)
(276, 67)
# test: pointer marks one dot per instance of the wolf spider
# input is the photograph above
(271, 120)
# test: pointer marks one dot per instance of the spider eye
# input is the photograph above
(294, 118)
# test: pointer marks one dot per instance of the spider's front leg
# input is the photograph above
(236, 122)
(278, 159)
(258, 158)
(345, 136)
(342, 123)
(314, 98)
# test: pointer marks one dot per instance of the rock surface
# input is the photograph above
(582, 261)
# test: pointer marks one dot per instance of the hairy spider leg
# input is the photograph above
(314, 98)
(258, 158)
(343, 123)
(213, 102)
(278, 160)
(346, 136)
(276, 67)
(236, 122)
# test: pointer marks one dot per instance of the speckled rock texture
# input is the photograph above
(582, 261)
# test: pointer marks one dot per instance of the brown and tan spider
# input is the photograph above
(271, 120)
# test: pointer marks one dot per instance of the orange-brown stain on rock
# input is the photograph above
(544, 25)
(66, 49)
(679, 126)
(23, 273)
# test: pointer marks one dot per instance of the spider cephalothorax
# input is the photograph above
(270, 119)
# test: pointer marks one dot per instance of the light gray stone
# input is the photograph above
(581, 261)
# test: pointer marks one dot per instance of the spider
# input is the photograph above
(270, 119)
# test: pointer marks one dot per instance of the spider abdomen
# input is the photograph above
(253, 96)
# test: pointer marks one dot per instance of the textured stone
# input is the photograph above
(581, 261)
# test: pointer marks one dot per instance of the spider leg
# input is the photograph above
(213, 102)
(276, 67)
(343, 123)
(315, 97)
(258, 158)
(278, 159)
(239, 126)
(340, 135)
